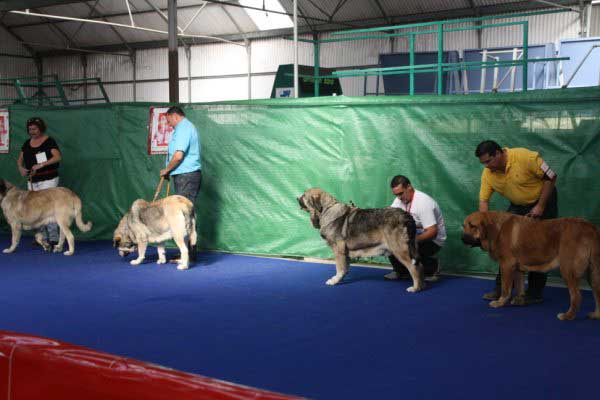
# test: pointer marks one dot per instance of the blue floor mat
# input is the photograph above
(274, 324)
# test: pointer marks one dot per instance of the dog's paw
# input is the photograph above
(332, 281)
(137, 261)
(57, 249)
(594, 315)
(565, 316)
(161, 261)
(496, 304)
(69, 253)
(518, 300)
(182, 267)
(8, 250)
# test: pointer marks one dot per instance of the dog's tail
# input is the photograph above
(192, 227)
(189, 216)
(83, 227)
(411, 228)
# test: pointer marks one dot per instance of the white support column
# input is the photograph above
(296, 49)
(483, 72)
(249, 60)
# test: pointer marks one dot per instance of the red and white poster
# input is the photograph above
(4, 131)
(159, 131)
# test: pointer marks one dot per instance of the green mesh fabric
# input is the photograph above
(258, 156)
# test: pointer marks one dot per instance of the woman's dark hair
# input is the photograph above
(488, 147)
(37, 121)
(399, 180)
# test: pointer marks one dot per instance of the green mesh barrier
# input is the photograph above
(258, 156)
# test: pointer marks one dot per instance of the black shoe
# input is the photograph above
(193, 254)
(527, 300)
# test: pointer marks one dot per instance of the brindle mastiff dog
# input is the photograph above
(524, 244)
(355, 232)
(31, 210)
(170, 218)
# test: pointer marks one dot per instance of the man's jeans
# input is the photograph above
(49, 232)
(188, 185)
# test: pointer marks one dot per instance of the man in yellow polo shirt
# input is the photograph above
(524, 178)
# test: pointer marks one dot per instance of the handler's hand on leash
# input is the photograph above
(162, 179)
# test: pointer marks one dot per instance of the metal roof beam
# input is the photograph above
(18, 38)
(62, 33)
(315, 5)
(303, 16)
(9, 5)
(382, 11)
(501, 8)
(165, 18)
(115, 30)
(92, 10)
(216, 2)
(554, 4)
(340, 4)
(163, 43)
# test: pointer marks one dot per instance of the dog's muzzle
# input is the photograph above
(470, 240)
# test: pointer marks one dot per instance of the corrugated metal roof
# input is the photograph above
(222, 18)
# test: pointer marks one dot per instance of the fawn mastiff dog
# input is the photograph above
(33, 209)
(156, 222)
(354, 232)
(524, 244)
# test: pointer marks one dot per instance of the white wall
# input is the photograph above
(219, 70)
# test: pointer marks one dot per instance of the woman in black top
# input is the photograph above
(39, 159)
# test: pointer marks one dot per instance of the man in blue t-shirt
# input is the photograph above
(183, 160)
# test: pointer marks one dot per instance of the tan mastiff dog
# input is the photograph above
(156, 222)
(31, 210)
(354, 232)
(524, 244)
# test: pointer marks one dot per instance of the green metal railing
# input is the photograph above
(440, 67)
(43, 82)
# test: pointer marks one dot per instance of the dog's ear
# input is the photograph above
(301, 202)
(313, 200)
(314, 219)
(487, 231)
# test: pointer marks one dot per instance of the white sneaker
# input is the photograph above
(392, 276)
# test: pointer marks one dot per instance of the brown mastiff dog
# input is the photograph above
(525, 244)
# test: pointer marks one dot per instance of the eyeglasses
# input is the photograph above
(34, 120)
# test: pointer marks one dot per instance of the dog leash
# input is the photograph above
(162, 179)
